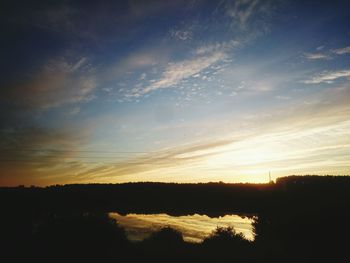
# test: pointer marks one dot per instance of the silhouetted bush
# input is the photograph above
(223, 237)
(84, 236)
(165, 245)
(166, 236)
(226, 244)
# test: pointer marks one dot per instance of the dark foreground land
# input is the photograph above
(299, 219)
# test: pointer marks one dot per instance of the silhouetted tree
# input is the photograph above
(299, 219)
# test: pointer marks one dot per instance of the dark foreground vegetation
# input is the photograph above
(299, 219)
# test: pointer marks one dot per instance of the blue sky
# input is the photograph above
(180, 91)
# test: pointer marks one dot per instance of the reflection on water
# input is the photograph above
(194, 228)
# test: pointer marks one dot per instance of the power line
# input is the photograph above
(95, 157)
(121, 157)
(156, 162)
(91, 162)
(75, 151)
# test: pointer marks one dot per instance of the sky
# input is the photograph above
(173, 91)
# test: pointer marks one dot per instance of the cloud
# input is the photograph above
(342, 51)
(153, 161)
(247, 13)
(216, 47)
(316, 56)
(321, 55)
(181, 34)
(13, 139)
(24, 121)
(242, 10)
(58, 82)
(176, 72)
(301, 136)
(279, 97)
(328, 77)
(141, 59)
(26, 152)
(74, 111)
(275, 140)
(184, 31)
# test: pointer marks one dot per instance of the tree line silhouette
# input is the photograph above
(298, 219)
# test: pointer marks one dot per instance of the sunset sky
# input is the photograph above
(173, 91)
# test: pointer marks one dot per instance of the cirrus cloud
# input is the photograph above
(328, 77)
(316, 56)
(342, 51)
(176, 72)
(59, 81)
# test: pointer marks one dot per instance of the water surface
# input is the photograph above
(194, 228)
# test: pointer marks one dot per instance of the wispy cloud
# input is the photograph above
(217, 47)
(319, 55)
(280, 141)
(59, 81)
(181, 34)
(342, 51)
(164, 159)
(316, 56)
(142, 59)
(299, 138)
(242, 10)
(328, 77)
(249, 14)
(25, 153)
(176, 72)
